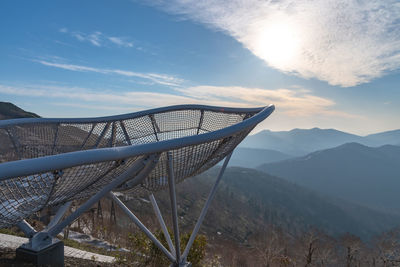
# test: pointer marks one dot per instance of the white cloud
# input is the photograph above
(162, 79)
(343, 42)
(291, 103)
(133, 98)
(120, 41)
(98, 38)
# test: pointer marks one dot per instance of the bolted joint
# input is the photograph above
(40, 240)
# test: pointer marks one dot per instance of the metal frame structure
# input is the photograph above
(141, 164)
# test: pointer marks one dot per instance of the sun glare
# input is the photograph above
(278, 43)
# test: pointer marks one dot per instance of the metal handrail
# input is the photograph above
(70, 159)
(126, 116)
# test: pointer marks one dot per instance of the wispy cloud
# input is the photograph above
(162, 79)
(133, 99)
(343, 42)
(292, 102)
(98, 38)
(295, 102)
(94, 106)
(120, 41)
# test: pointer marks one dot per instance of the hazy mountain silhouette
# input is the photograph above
(248, 198)
(11, 111)
(253, 157)
(299, 142)
(384, 138)
(365, 175)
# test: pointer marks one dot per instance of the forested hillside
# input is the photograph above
(11, 111)
(365, 175)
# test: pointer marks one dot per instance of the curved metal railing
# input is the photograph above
(47, 162)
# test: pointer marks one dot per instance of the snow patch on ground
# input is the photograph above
(88, 239)
(13, 242)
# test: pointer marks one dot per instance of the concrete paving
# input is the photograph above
(13, 242)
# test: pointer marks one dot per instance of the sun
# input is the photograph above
(278, 42)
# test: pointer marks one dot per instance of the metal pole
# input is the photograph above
(162, 223)
(59, 214)
(142, 227)
(205, 208)
(137, 166)
(172, 195)
(26, 228)
(87, 137)
(100, 138)
(128, 140)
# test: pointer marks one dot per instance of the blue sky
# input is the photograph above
(327, 64)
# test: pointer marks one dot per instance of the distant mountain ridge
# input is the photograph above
(389, 137)
(253, 157)
(11, 111)
(248, 199)
(299, 142)
(369, 176)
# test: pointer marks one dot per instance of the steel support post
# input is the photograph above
(162, 223)
(172, 195)
(59, 214)
(26, 228)
(44, 249)
(142, 227)
(205, 208)
(143, 167)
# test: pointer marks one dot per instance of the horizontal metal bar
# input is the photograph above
(142, 227)
(130, 115)
(70, 159)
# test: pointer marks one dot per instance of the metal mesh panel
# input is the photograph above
(8, 150)
(34, 140)
(72, 137)
(140, 130)
(21, 196)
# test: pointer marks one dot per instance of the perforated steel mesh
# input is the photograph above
(21, 196)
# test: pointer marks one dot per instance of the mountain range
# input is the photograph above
(368, 176)
(299, 142)
(249, 200)
(252, 157)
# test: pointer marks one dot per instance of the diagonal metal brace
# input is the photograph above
(142, 227)
(26, 228)
(59, 214)
(162, 223)
(133, 170)
(205, 209)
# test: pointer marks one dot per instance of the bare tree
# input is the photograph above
(352, 245)
(387, 248)
(271, 245)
